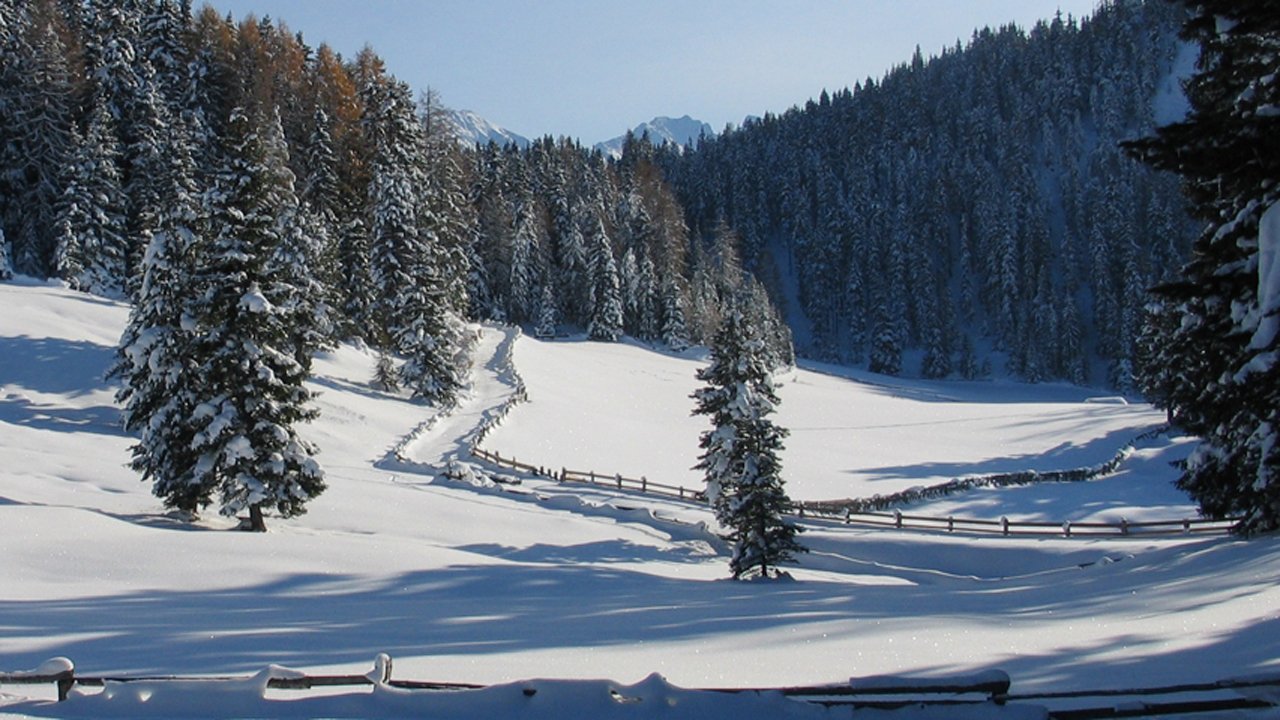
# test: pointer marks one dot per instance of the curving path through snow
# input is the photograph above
(450, 435)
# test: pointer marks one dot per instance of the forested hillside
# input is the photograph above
(972, 207)
(968, 202)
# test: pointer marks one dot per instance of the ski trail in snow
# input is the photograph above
(448, 435)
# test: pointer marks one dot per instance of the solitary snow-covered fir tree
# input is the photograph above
(249, 382)
(740, 453)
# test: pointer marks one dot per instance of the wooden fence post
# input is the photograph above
(618, 478)
(951, 523)
(564, 473)
(644, 484)
(1004, 525)
(1124, 526)
(1066, 528)
(897, 518)
(1186, 526)
(65, 683)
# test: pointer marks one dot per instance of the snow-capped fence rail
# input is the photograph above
(61, 672)
(641, 485)
(984, 694)
(511, 463)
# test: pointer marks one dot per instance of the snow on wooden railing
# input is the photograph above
(991, 685)
(61, 671)
(985, 693)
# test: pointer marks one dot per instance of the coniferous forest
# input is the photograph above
(965, 203)
(258, 199)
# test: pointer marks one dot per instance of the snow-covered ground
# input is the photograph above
(490, 585)
(621, 408)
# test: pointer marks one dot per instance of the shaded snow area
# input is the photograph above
(622, 598)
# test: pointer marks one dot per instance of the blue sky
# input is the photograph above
(591, 69)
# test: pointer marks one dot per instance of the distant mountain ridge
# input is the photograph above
(471, 128)
(682, 131)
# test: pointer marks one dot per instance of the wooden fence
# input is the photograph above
(843, 512)
(1007, 527)
(990, 687)
(590, 477)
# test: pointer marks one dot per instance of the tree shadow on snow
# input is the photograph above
(315, 619)
(1065, 456)
(54, 365)
(99, 419)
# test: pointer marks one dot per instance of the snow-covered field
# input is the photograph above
(486, 585)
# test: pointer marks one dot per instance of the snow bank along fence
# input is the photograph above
(990, 689)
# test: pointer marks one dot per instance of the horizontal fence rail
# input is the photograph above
(990, 688)
(843, 510)
(1006, 527)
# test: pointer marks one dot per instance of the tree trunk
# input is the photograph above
(256, 521)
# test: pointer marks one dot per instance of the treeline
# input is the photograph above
(966, 203)
(96, 95)
(565, 237)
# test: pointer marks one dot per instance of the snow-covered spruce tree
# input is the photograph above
(299, 251)
(91, 240)
(523, 276)
(39, 126)
(385, 376)
(675, 334)
(740, 452)
(547, 315)
(6, 264)
(414, 309)
(393, 203)
(247, 377)
(606, 320)
(436, 358)
(1226, 346)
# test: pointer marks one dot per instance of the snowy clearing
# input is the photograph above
(488, 585)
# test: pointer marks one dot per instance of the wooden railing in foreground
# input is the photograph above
(840, 511)
(990, 687)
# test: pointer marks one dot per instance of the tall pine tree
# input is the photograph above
(249, 383)
(740, 453)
